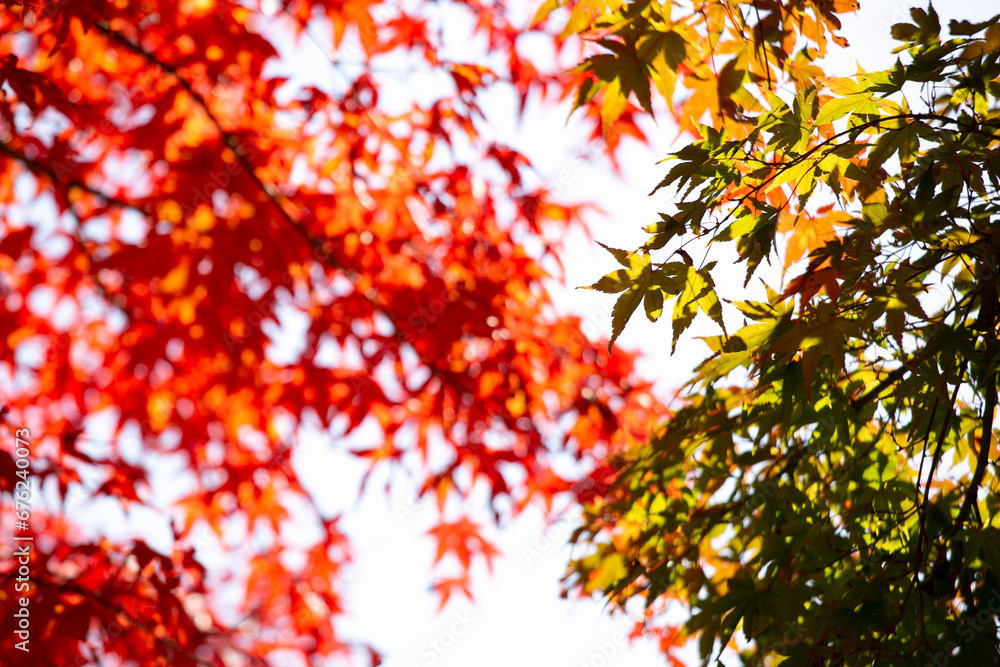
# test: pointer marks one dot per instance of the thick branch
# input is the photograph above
(985, 444)
(989, 304)
(40, 169)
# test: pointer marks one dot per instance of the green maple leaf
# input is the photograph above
(636, 281)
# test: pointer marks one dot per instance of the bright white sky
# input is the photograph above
(518, 617)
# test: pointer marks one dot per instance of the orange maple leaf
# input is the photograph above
(810, 282)
(445, 587)
(809, 232)
(462, 539)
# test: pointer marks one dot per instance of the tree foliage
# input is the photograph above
(172, 204)
(824, 491)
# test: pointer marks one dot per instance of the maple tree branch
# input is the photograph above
(117, 300)
(40, 169)
(985, 439)
(230, 138)
(985, 443)
(936, 460)
(891, 378)
(95, 595)
(233, 141)
(896, 374)
(318, 244)
(373, 114)
(756, 190)
(986, 321)
(923, 455)
(855, 130)
(918, 563)
(763, 47)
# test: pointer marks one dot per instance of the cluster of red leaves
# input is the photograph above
(163, 199)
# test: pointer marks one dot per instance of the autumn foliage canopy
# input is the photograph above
(170, 201)
(825, 490)
(176, 197)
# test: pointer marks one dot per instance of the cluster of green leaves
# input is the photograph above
(691, 288)
(828, 486)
